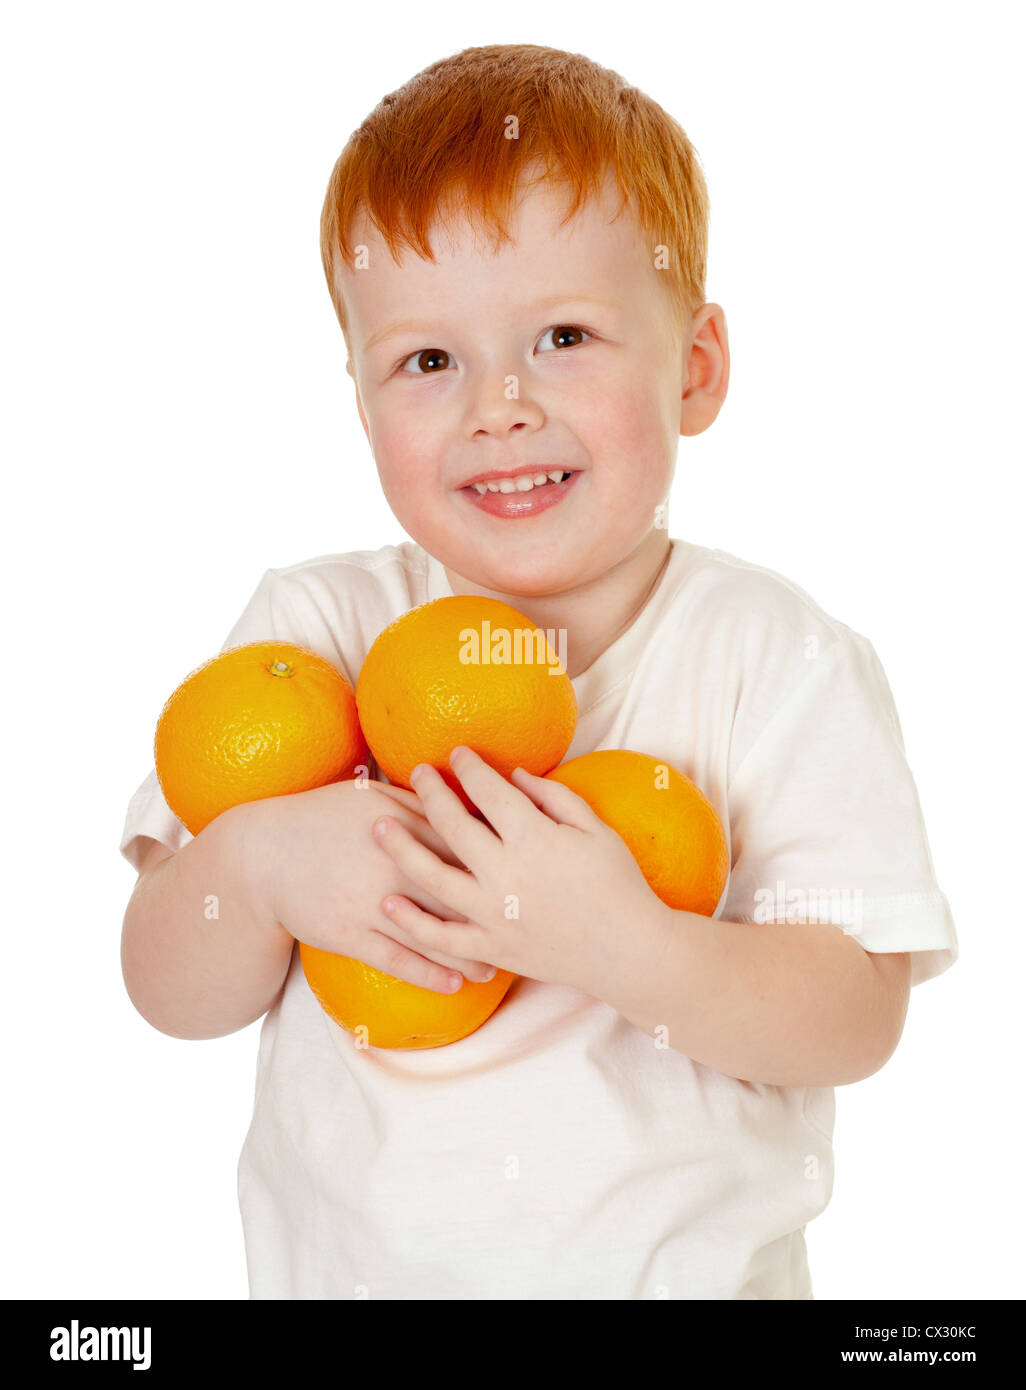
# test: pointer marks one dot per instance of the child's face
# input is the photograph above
(507, 386)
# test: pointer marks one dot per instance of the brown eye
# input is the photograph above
(424, 358)
(568, 331)
(566, 334)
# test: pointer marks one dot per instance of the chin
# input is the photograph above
(528, 578)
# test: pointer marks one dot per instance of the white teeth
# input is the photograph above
(524, 483)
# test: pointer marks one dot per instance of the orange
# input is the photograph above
(395, 1013)
(465, 670)
(666, 821)
(265, 719)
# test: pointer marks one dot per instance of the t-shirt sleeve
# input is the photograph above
(826, 824)
(268, 616)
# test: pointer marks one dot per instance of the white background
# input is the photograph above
(177, 420)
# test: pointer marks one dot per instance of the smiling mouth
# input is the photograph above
(517, 499)
(526, 482)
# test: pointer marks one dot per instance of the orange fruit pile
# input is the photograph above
(264, 719)
(666, 821)
(271, 719)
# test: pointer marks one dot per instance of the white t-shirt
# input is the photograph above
(558, 1152)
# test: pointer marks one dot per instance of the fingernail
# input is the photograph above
(489, 976)
(454, 982)
(416, 773)
(379, 827)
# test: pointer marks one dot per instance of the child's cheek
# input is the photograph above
(630, 425)
(405, 455)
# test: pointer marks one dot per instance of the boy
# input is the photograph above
(649, 1111)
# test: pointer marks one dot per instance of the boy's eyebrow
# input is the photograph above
(552, 302)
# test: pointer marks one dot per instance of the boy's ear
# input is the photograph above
(706, 370)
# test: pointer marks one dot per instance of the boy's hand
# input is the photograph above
(314, 866)
(552, 892)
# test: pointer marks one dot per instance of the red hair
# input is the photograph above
(439, 142)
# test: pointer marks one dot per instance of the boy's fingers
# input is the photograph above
(475, 970)
(418, 863)
(402, 795)
(504, 804)
(417, 823)
(441, 938)
(405, 964)
(445, 912)
(559, 802)
(425, 832)
(470, 838)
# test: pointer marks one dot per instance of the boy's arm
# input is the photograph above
(200, 958)
(776, 1003)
